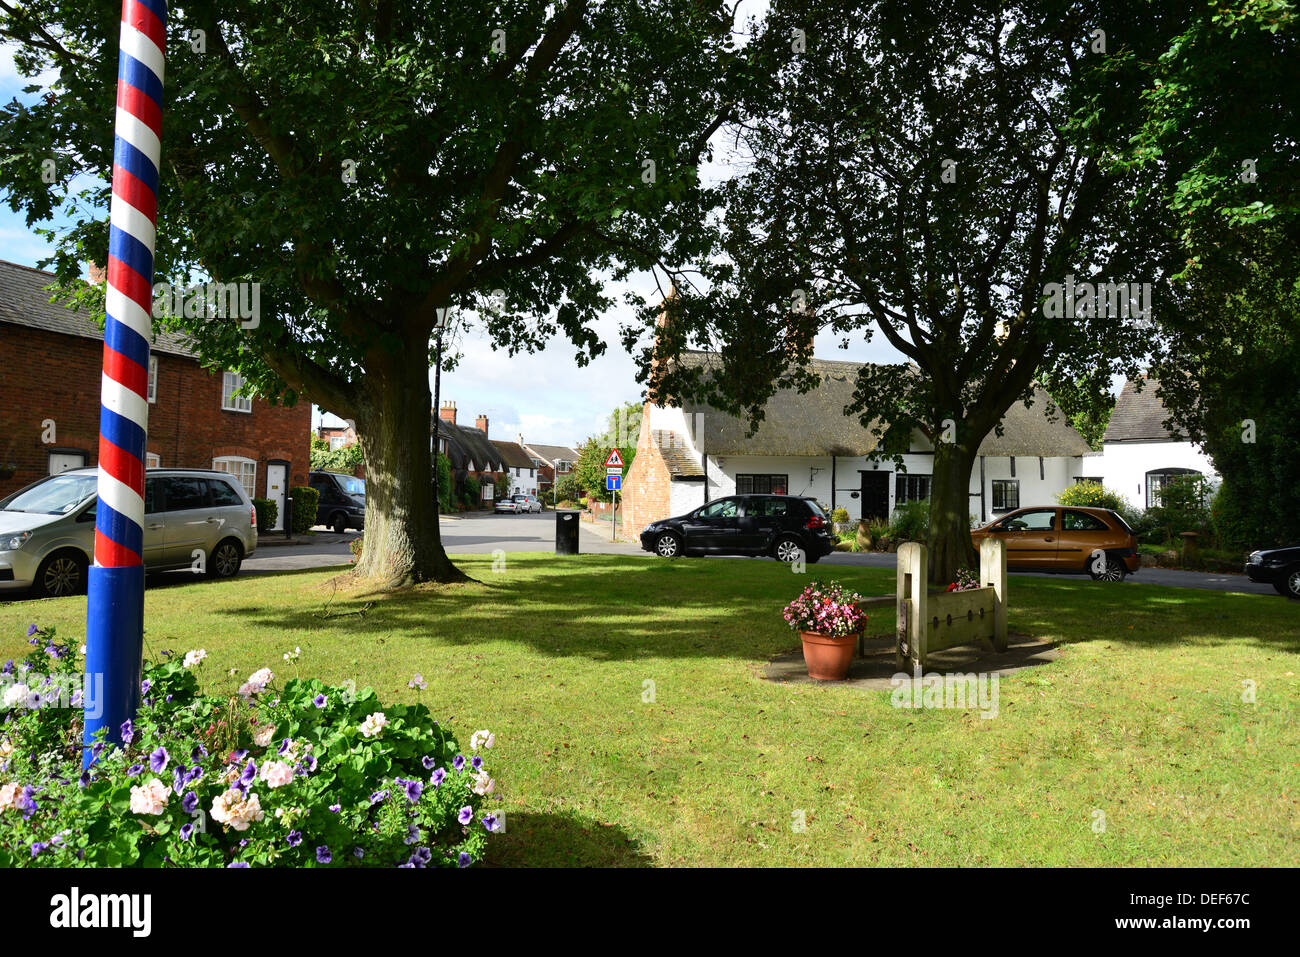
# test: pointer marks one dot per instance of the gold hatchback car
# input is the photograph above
(1066, 539)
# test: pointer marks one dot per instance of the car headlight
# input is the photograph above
(1254, 558)
(14, 541)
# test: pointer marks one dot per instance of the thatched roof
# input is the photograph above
(1138, 415)
(680, 462)
(814, 424)
(466, 444)
(513, 455)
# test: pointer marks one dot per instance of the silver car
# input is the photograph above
(527, 503)
(194, 518)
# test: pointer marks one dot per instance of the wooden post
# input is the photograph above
(912, 606)
(993, 574)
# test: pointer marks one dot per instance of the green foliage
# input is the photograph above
(589, 470)
(1086, 401)
(445, 489)
(356, 546)
(840, 514)
(472, 492)
(307, 747)
(568, 488)
(911, 521)
(267, 513)
(305, 500)
(1091, 495)
(1183, 507)
(325, 459)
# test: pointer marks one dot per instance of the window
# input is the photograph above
(1006, 495)
(241, 468)
(1072, 521)
(770, 507)
(1157, 480)
(184, 493)
(762, 484)
(152, 460)
(232, 382)
(1088, 478)
(1041, 520)
(910, 488)
(336, 442)
(223, 493)
(724, 508)
(153, 378)
(151, 495)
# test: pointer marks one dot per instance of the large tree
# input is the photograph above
(375, 165)
(922, 172)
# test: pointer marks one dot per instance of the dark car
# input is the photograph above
(783, 526)
(1279, 567)
(342, 500)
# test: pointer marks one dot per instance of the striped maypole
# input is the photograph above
(115, 604)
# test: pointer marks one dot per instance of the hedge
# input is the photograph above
(267, 512)
(305, 500)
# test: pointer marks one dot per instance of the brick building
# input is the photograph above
(50, 366)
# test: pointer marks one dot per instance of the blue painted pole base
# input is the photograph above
(114, 652)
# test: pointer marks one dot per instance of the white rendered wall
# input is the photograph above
(1124, 465)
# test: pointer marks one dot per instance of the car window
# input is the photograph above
(151, 495)
(726, 508)
(183, 493)
(57, 495)
(1072, 521)
(223, 493)
(771, 507)
(1043, 520)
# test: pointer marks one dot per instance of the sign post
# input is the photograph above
(614, 483)
(115, 592)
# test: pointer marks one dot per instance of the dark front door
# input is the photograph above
(875, 495)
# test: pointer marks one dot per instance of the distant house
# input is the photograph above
(691, 454)
(551, 460)
(521, 470)
(470, 452)
(52, 361)
(1139, 455)
(337, 436)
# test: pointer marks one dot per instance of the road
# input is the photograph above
(536, 533)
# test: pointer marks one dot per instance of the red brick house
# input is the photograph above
(50, 366)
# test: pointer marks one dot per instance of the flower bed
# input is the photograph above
(304, 775)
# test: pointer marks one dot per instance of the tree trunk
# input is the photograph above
(949, 539)
(403, 544)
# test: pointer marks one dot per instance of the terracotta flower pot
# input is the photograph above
(827, 657)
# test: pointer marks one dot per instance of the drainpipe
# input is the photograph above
(984, 512)
(705, 459)
(832, 483)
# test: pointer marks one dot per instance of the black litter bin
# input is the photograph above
(566, 531)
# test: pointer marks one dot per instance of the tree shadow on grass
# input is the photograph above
(563, 840)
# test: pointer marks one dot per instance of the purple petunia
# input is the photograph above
(358, 853)
(466, 814)
(294, 838)
(477, 762)
(412, 834)
(240, 864)
(97, 749)
(190, 803)
(239, 755)
(199, 752)
(186, 831)
(323, 855)
(464, 859)
(459, 763)
(158, 760)
(134, 769)
(31, 630)
(249, 774)
(413, 790)
(428, 761)
(436, 778)
(336, 808)
(320, 701)
(8, 669)
(284, 746)
(128, 731)
(178, 780)
(491, 822)
(39, 846)
(145, 686)
(84, 779)
(378, 796)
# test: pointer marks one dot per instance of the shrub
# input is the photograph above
(568, 488)
(305, 500)
(911, 521)
(1183, 506)
(1091, 495)
(840, 515)
(267, 512)
(565, 503)
(472, 491)
(1236, 519)
(303, 775)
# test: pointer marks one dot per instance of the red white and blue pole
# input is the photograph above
(115, 603)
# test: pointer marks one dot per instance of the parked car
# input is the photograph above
(783, 526)
(342, 502)
(1055, 538)
(527, 503)
(47, 530)
(506, 505)
(1279, 567)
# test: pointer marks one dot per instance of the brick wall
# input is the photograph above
(646, 490)
(44, 375)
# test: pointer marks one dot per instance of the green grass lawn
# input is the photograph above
(1142, 717)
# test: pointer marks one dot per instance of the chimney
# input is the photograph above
(661, 329)
(800, 328)
(448, 412)
(521, 440)
(98, 274)
(481, 424)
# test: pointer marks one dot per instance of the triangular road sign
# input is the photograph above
(615, 460)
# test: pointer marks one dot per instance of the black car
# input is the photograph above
(342, 500)
(782, 526)
(1279, 567)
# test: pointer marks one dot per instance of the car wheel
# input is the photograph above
(669, 545)
(61, 574)
(225, 559)
(1114, 571)
(1290, 585)
(789, 549)
(340, 523)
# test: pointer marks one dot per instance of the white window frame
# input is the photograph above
(153, 378)
(231, 382)
(152, 460)
(223, 463)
